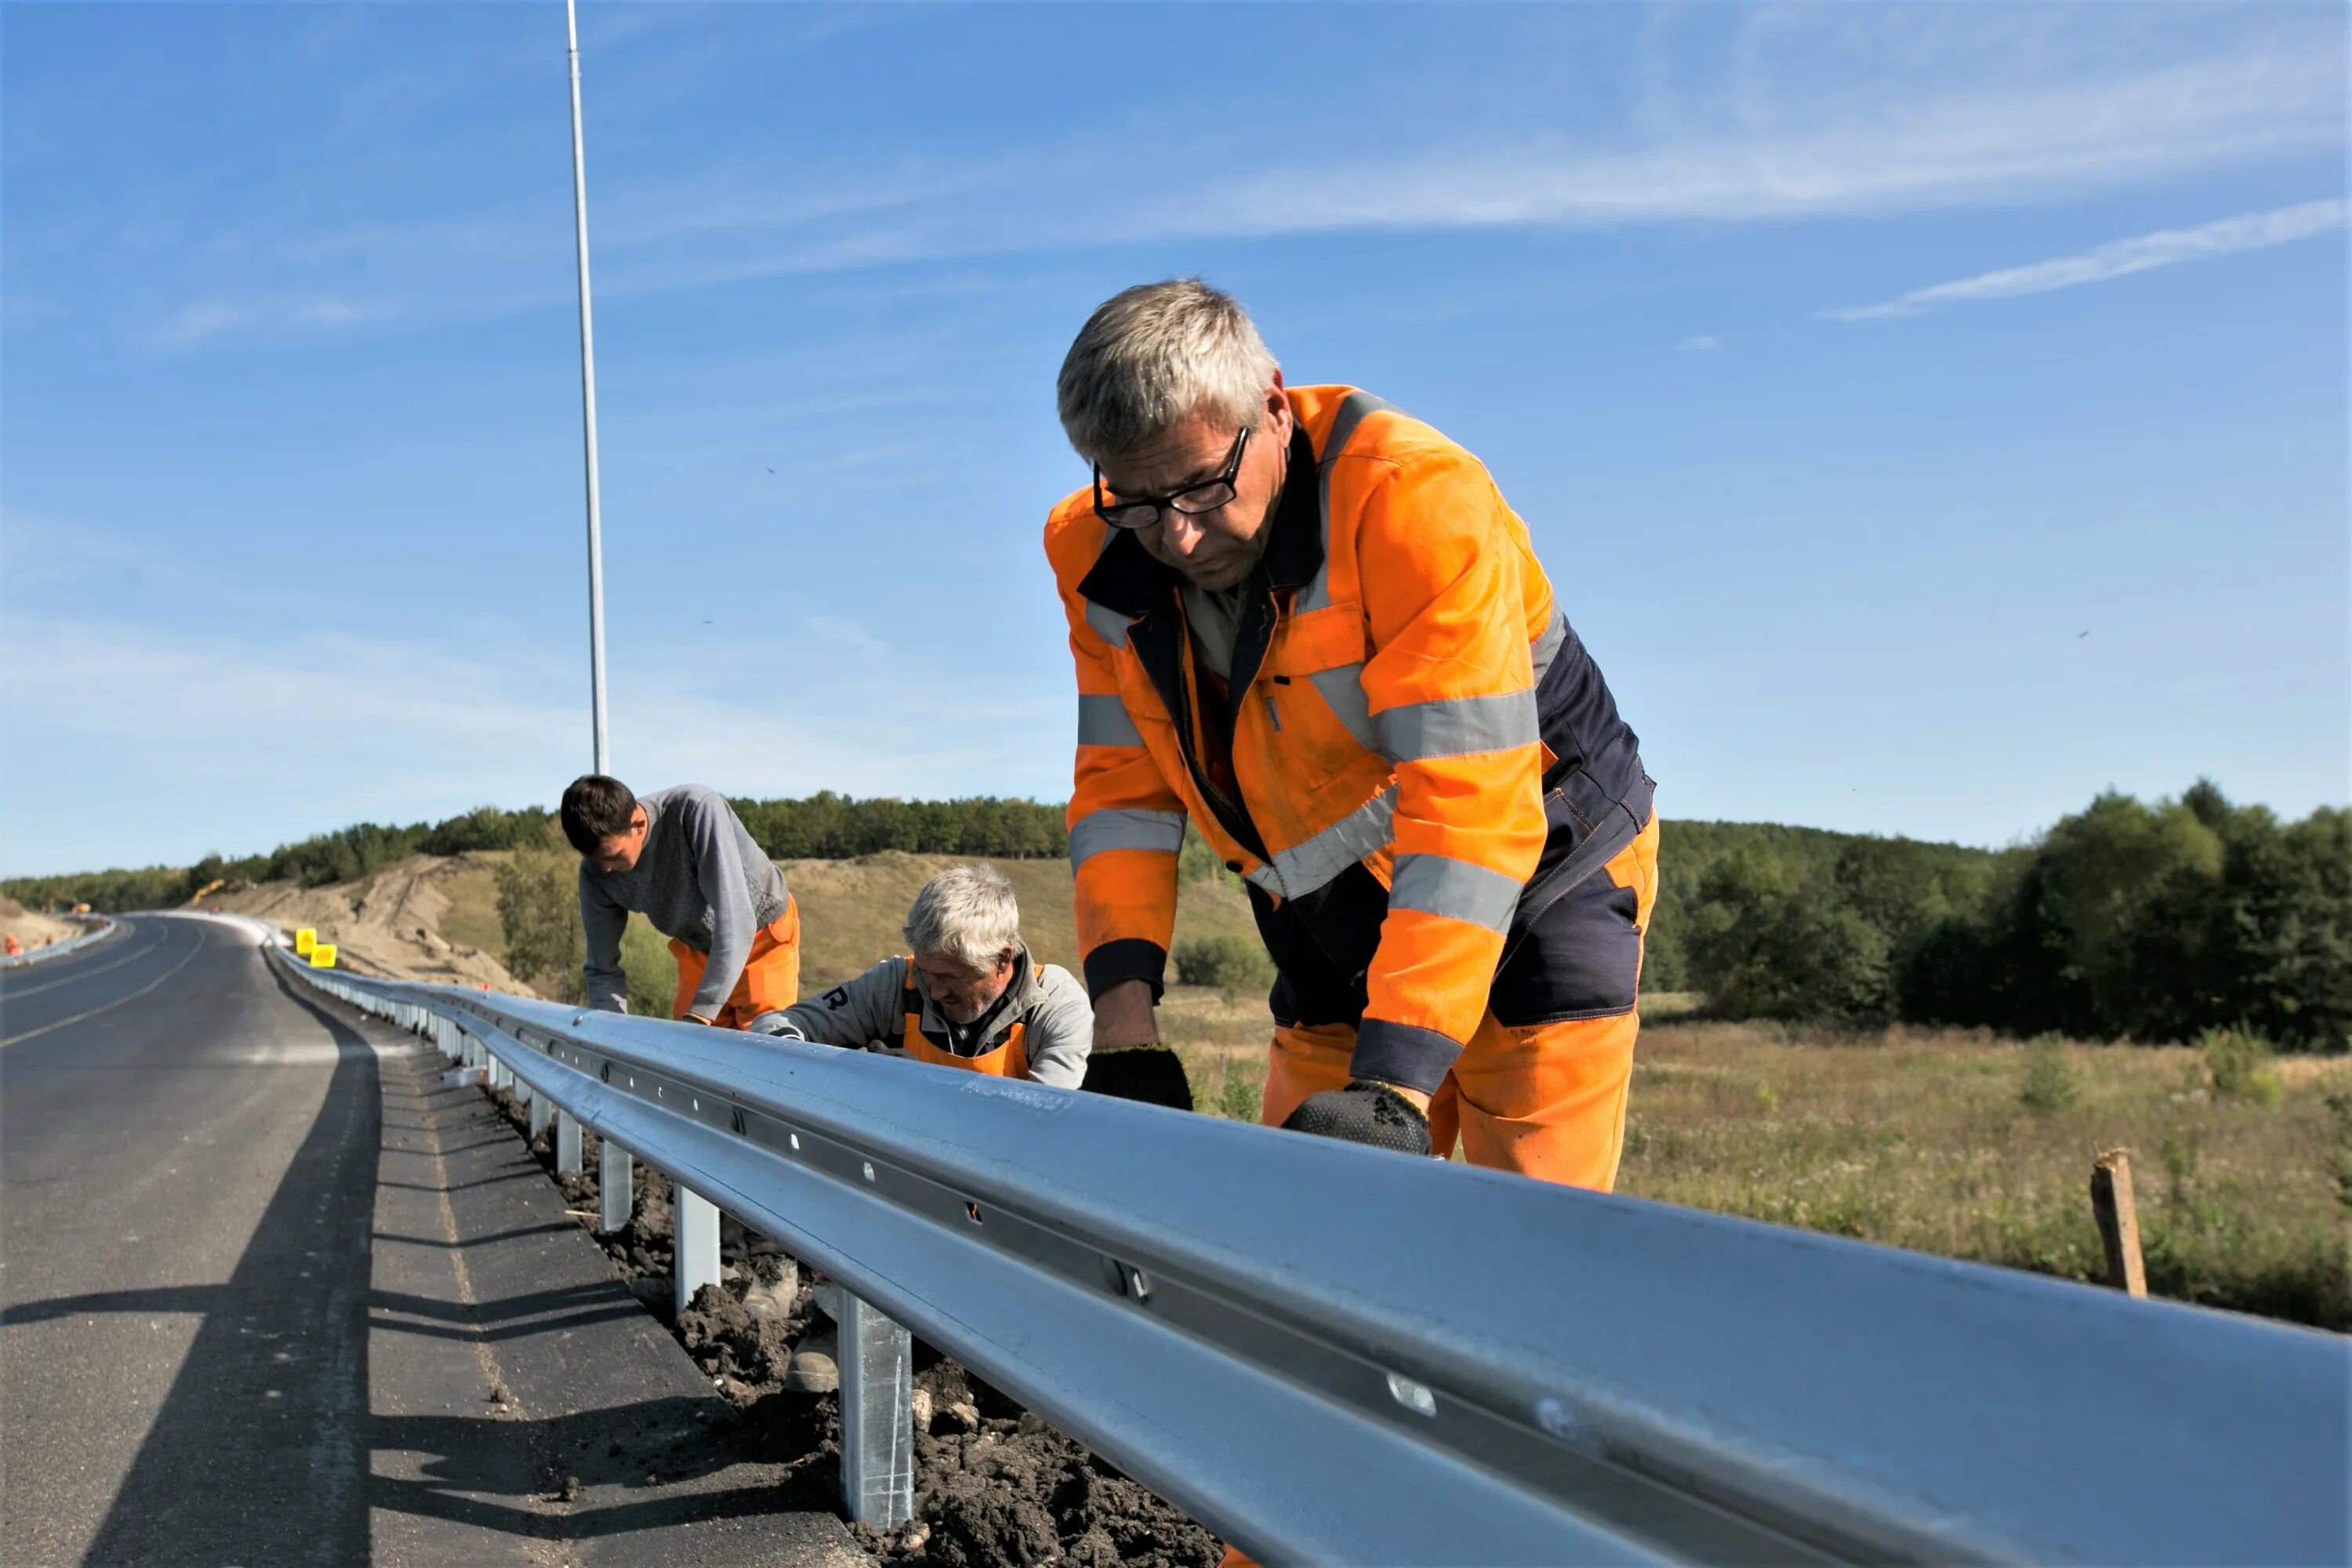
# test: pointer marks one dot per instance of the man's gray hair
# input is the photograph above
(1152, 356)
(967, 914)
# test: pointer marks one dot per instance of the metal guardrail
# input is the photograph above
(1332, 1354)
(98, 926)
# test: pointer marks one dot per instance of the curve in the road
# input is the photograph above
(108, 1006)
(54, 974)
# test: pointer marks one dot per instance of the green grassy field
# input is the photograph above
(1950, 1142)
(850, 909)
(1925, 1139)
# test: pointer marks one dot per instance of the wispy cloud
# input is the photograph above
(308, 730)
(194, 325)
(1850, 119)
(2118, 258)
(1700, 343)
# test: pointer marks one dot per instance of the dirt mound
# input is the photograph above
(425, 918)
(30, 929)
(995, 1486)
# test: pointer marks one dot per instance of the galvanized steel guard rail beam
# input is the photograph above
(95, 928)
(1332, 1354)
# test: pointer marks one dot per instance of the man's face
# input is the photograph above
(620, 852)
(1214, 550)
(964, 994)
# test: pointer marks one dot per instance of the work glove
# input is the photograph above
(775, 1023)
(1152, 1074)
(1364, 1112)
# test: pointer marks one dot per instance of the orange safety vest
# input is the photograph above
(1410, 732)
(1007, 1060)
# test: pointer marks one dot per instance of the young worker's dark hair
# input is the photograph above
(596, 807)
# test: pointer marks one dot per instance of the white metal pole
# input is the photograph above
(588, 402)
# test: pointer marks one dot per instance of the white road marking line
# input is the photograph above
(11, 993)
(118, 1002)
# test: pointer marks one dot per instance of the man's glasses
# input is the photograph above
(1192, 501)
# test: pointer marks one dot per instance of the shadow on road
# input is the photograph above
(255, 1453)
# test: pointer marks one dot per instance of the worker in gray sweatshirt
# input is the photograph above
(967, 993)
(681, 857)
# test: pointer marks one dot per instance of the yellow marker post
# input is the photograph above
(304, 940)
(323, 955)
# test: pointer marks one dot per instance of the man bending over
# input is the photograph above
(682, 858)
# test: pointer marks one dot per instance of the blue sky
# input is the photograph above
(1848, 362)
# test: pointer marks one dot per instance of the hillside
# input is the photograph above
(432, 917)
(429, 917)
(30, 929)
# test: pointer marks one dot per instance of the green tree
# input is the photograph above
(538, 909)
(1232, 963)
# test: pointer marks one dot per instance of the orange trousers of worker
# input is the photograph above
(1546, 1101)
(771, 978)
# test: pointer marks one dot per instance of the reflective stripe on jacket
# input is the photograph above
(1411, 729)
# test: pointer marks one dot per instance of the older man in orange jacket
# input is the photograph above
(1310, 626)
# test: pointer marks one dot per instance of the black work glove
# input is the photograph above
(1152, 1073)
(1364, 1112)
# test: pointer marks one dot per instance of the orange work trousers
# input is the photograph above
(771, 978)
(1546, 1101)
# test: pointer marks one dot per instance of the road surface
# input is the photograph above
(271, 1293)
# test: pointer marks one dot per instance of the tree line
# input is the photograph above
(2125, 921)
(824, 825)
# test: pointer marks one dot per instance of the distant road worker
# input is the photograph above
(681, 857)
(968, 995)
(1311, 626)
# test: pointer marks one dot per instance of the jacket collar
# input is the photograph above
(1126, 578)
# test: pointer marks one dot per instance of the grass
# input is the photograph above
(472, 917)
(1959, 1145)
(850, 909)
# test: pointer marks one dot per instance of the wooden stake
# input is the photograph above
(2112, 1207)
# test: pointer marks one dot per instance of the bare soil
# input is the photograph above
(995, 1486)
(33, 929)
(394, 922)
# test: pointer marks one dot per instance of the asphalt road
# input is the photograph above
(269, 1293)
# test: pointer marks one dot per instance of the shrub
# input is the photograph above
(652, 972)
(2051, 1085)
(1232, 963)
(2237, 1061)
(538, 909)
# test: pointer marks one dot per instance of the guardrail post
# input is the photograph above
(567, 1142)
(877, 1440)
(615, 1194)
(539, 1108)
(694, 1242)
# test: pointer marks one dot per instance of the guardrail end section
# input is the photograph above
(878, 1440)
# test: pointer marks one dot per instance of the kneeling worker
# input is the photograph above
(681, 857)
(971, 995)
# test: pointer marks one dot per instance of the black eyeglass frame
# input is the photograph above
(1187, 500)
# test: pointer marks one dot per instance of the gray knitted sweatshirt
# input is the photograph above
(700, 878)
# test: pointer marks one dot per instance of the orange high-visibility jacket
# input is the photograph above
(1412, 730)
